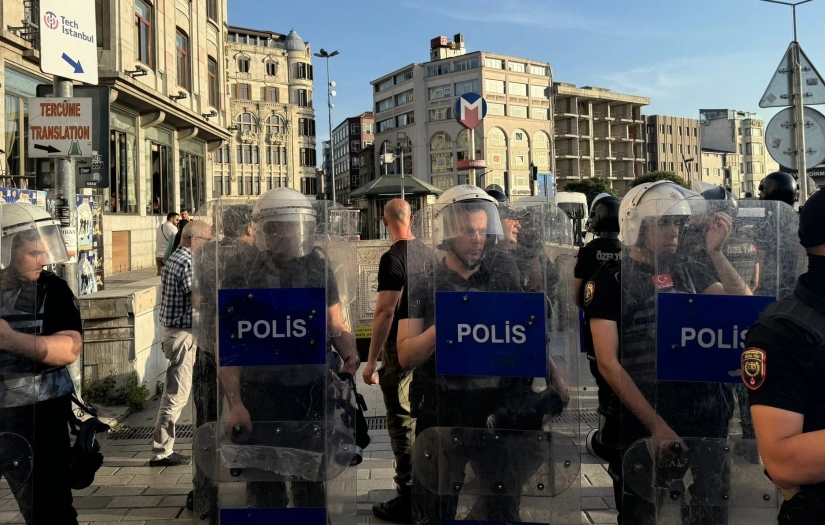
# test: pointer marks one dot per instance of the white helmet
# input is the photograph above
(283, 221)
(23, 222)
(451, 207)
(651, 200)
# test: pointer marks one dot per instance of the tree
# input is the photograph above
(591, 188)
(653, 176)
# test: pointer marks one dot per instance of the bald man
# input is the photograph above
(407, 257)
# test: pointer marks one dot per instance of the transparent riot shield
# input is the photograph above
(687, 302)
(282, 439)
(494, 372)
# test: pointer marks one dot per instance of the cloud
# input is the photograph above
(524, 12)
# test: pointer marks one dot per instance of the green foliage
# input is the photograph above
(133, 393)
(591, 188)
(653, 176)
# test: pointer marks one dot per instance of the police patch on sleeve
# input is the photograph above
(753, 368)
(589, 290)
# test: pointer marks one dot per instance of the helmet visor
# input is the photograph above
(34, 245)
(468, 219)
(287, 236)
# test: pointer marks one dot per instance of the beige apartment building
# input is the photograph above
(674, 144)
(718, 168)
(164, 63)
(415, 103)
(598, 134)
(272, 142)
(740, 133)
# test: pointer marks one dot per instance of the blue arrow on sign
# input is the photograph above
(76, 65)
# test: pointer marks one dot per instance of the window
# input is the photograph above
(441, 114)
(538, 113)
(354, 128)
(681, 149)
(212, 9)
(246, 122)
(368, 128)
(464, 65)
(307, 157)
(442, 69)
(182, 50)
(214, 87)
(664, 148)
(221, 155)
(303, 71)
(495, 109)
(144, 37)
(538, 70)
(680, 131)
(440, 92)
(441, 162)
(669, 129)
(755, 167)
(355, 145)
(272, 69)
(662, 129)
(384, 84)
(242, 91)
(302, 97)
(159, 178)
(695, 132)
(276, 155)
(404, 98)
(441, 141)
(494, 86)
(306, 127)
(754, 148)
(403, 77)
(671, 166)
(494, 63)
(518, 111)
(247, 154)
(192, 181)
(516, 67)
(469, 86)
(270, 94)
(243, 65)
(405, 119)
(518, 89)
(539, 91)
(756, 132)
(671, 147)
(384, 125)
(651, 148)
(741, 149)
(309, 185)
(383, 105)
(651, 166)
(651, 129)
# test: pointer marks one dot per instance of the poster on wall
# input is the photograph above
(38, 198)
(89, 244)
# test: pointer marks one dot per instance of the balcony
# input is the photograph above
(563, 113)
(566, 153)
(564, 132)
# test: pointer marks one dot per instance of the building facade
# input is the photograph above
(674, 144)
(742, 133)
(414, 105)
(718, 168)
(272, 145)
(598, 133)
(348, 139)
(164, 64)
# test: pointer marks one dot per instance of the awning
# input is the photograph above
(391, 185)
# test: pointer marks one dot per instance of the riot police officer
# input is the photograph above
(40, 334)
(782, 367)
(619, 303)
(779, 186)
(604, 224)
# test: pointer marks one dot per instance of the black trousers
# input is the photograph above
(44, 495)
(400, 425)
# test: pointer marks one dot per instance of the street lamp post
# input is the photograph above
(330, 93)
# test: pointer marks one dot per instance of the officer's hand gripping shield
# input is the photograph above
(282, 438)
(495, 367)
(688, 300)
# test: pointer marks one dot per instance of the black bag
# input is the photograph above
(362, 436)
(86, 458)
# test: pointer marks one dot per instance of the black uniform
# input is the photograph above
(784, 367)
(44, 497)
(691, 409)
(589, 259)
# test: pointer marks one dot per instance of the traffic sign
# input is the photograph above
(780, 89)
(470, 110)
(68, 39)
(780, 137)
(60, 127)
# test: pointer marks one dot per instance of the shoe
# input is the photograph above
(396, 510)
(172, 460)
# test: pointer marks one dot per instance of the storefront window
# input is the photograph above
(17, 170)
(192, 176)
(121, 195)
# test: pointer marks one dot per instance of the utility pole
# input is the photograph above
(330, 93)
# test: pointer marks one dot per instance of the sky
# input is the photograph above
(683, 55)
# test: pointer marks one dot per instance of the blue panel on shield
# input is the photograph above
(490, 334)
(272, 327)
(273, 516)
(701, 337)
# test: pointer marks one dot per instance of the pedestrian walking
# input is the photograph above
(166, 231)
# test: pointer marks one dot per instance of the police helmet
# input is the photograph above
(451, 207)
(23, 222)
(648, 202)
(604, 217)
(283, 221)
(494, 192)
(779, 186)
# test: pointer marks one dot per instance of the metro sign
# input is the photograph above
(470, 110)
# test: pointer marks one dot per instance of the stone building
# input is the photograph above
(674, 144)
(348, 139)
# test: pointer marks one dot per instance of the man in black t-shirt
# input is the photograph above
(783, 367)
(407, 258)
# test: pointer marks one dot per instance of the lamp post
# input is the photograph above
(330, 93)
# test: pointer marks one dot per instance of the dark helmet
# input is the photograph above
(779, 186)
(718, 193)
(604, 217)
(494, 192)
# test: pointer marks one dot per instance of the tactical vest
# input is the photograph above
(797, 309)
(22, 381)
